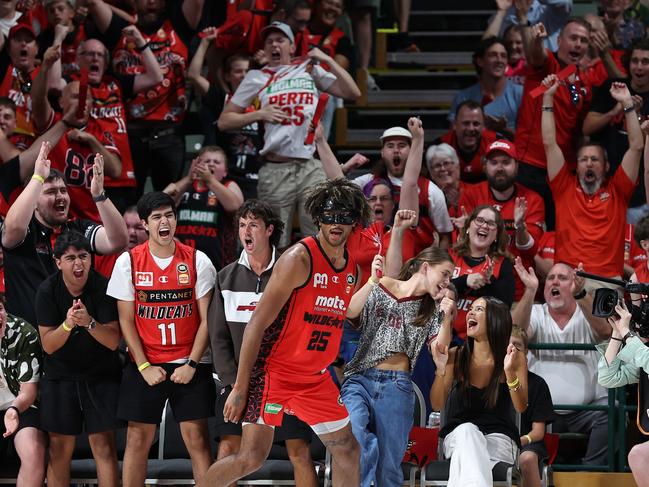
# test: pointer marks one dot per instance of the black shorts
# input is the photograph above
(69, 407)
(539, 448)
(30, 418)
(292, 427)
(142, 403)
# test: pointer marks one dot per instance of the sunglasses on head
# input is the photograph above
(338, 217)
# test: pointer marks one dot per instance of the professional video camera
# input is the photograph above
(606, 299)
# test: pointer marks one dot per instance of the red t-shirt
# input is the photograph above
(642, 273)
(471, 170)
(546, 246)
(166, 311)
(590, 229)
(364, 243)
(165, 101)
(633, 253)
(305, 337)
(481, 194)
(75, 161)
(568, 115)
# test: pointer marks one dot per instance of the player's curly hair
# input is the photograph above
(344, 194)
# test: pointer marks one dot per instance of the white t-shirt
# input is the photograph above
(437, 210)
(6, 396)
(295, 90)
(570, 374)
(121, 287)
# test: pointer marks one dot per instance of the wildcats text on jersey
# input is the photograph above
(165, 312)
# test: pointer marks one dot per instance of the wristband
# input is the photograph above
(140, 49)
(616, 339)
(580, 295)
(547, 109)
(373, 281)
(529, 439)
(38, 178)
(513, 384)
(143, 366)
(100, 198)
(15, 409)
(628, 109)
(191, 363)
(66, 327)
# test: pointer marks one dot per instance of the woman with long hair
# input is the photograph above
(396, 318)
(483, 266)
(479, 384)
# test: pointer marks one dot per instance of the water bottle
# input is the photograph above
(433, 420)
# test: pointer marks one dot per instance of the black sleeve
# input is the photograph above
(10, 177)
(214, 99)
(126, 82)
(540, 404)
(602, 101)
(114, 32)
(47, 305)
(5, 61)
(87, 228)
(503, 287)
(344, 48)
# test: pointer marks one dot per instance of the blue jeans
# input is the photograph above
(380, 405)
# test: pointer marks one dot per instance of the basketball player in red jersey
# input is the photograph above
(293, 335)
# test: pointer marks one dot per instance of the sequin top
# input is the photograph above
(387, 328)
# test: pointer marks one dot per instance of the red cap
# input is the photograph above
(21, 26)
(502, 145)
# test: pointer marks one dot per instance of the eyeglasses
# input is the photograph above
(338, 217)
(382, 199)
(479, 221)
(442, 165)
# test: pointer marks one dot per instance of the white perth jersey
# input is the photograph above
(295, 89)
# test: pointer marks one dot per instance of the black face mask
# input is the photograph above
(338, 217)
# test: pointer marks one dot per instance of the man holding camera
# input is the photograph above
(626, 361)
(566, 317)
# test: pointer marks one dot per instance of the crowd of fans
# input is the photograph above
(541, 173)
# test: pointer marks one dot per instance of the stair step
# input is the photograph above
(370, 137)
(422, 20)
(411, 98)
(382, 119)
(442, 41)
(422, 80)
(457, 59)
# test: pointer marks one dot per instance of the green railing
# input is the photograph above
(616, 418)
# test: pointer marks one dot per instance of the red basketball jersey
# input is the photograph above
(166, 313)
(305, 337)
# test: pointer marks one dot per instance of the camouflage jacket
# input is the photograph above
(20, 353)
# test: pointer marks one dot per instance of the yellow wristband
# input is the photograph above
(513, 383)
(38, 178)
(66, 327)
(529, 439)
(143, 366)
(373, 281)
